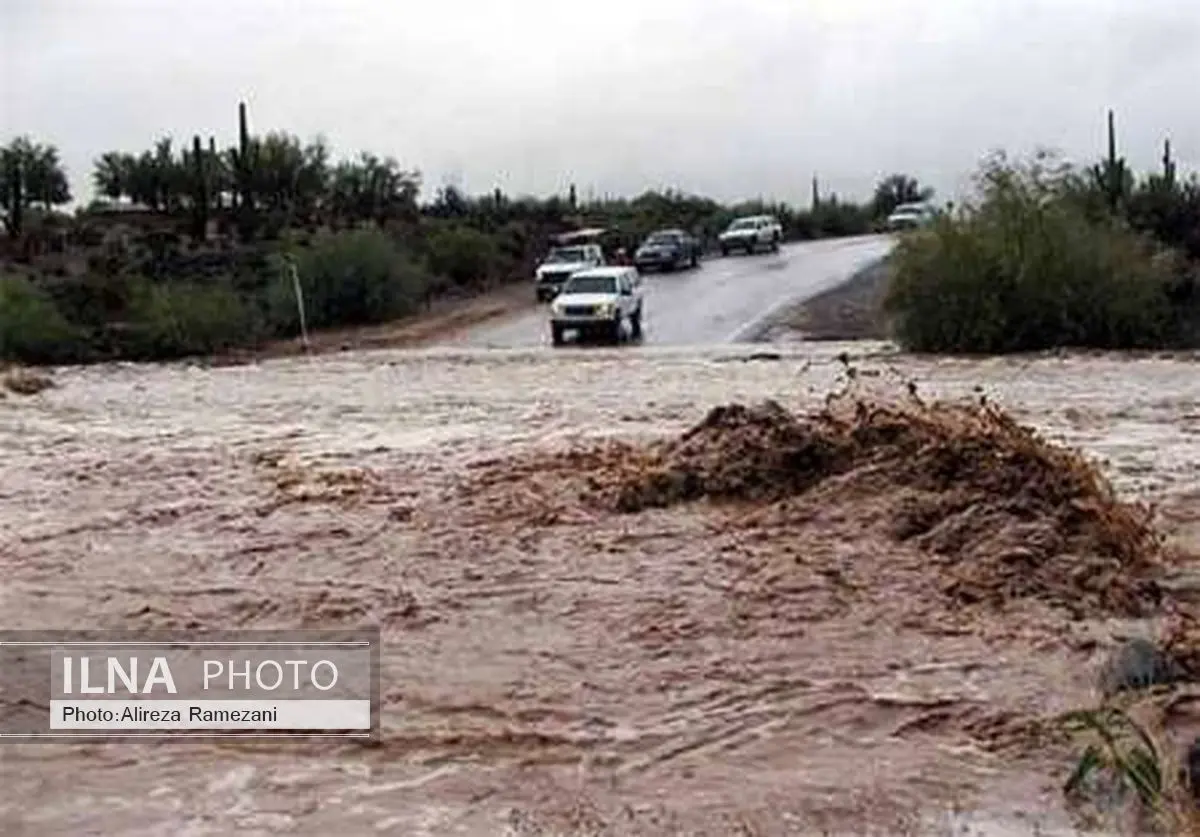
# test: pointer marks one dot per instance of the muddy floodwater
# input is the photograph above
(549, 667)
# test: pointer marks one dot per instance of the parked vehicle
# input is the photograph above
(750, 233)
(599, 302)
(668, 250)
(561, 263)
(908, 216)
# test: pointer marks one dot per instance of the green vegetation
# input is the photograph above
(1051, 256)
(189, 250)
(1124, 766)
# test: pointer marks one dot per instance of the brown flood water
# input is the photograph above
(547, 668)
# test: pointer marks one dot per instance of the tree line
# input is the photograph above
(265, 184)
(201, 265)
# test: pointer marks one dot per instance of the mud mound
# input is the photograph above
(752, 453)
(26, 382)
(1007, 514)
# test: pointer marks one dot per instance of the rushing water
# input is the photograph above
(575, 673)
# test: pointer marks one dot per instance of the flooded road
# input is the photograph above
(722, 301)
(548, 668)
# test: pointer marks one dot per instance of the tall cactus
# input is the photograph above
(217, 184)
(200, 190)
(1113, 169)
(1112, 175)
(16, 192)
(1168, 165)
(244, 162)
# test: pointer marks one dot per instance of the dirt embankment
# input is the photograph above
(851, 311)
(444, 318)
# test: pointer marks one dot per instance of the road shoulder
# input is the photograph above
(443, 320)
(851, 311)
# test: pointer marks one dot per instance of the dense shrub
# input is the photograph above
(348, 278)
(1029, 267)
(1168, 211)
(464, 256)
(32, 329)
(836, 218)
(176, 320)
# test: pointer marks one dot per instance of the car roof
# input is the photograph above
(584, 236)
(671, 231)
(613, 271)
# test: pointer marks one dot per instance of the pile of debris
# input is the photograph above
(1004, 513)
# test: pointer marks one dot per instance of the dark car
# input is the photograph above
(667, 250)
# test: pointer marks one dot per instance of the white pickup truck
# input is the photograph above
(560, 263)
(599, 301)
(909, 216)
(750, 233)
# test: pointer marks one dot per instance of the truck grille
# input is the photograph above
(579, 310)
(556, 277)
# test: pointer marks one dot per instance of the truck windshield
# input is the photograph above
(662, 238)
(561, 255)
(591, 285)
(744, 224)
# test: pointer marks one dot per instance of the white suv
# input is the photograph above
(909, 216)
(561, 262)
(752, 232)
(598, 301)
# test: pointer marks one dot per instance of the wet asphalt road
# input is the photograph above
(725, 300)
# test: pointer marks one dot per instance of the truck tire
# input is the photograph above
(614, 331)
(635, 325)
(774, 244)
(695, 261)
(556, 334)
(724, 250)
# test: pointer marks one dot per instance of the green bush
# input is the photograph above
(32, 329)
(177, 320)
(348, 278)
(1029, 268)
(1169, 211)
(464, 256)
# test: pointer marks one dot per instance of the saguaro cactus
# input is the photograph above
(15, 181)
(217, 181)
(244, 160)
(1111, 175)
(199, 191)
(1168, 165)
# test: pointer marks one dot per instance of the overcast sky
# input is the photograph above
(734, 98)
